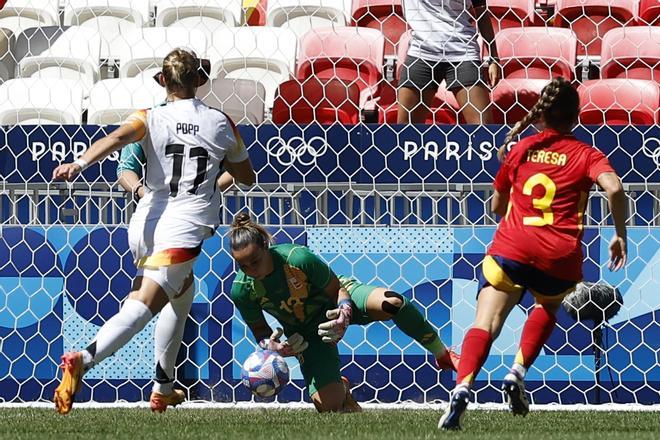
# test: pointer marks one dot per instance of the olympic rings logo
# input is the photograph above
(652, 152)
(296, 149)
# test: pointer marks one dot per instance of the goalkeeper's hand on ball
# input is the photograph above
(333, 330)
(293, 346)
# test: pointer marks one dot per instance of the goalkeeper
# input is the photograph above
(315, 307)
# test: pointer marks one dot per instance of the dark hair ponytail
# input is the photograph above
(244, 232)
(559, 104)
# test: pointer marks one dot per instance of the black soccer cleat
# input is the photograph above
(458, 402)
(514, 390)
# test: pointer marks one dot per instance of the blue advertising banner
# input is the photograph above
(376, 154)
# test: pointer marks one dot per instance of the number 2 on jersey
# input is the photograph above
(177, 153)
(543, 203)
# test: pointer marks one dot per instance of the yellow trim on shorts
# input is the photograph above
(551, 299)
(167, 257)
(497, 278)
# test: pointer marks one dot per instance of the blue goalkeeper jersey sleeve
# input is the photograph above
(132, 159)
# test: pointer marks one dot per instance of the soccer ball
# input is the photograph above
(265, 373)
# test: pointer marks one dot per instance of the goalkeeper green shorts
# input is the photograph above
(320, 364)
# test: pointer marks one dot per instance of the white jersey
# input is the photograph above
(442, 30)
(185, 143)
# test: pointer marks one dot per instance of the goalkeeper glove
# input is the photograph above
(333, 330)
(293, 346)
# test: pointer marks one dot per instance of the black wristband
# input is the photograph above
(136, 192)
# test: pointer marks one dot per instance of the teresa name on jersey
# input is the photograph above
(547, 157)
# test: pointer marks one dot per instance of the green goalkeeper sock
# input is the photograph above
(412, 322)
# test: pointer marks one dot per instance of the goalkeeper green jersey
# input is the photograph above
(293, 293)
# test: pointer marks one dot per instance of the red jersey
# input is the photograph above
(549, 176)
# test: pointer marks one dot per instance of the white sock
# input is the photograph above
(519, 370)
(167, 337)
(117, 331)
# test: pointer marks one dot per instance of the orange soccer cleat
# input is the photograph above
(72, 367)
(448, 361)
(159, 402)
(350, 404)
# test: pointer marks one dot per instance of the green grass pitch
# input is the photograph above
(186, 423)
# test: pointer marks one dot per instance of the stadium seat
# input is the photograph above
(111, 19)
(141, 51)
(74, 55)
(18, 15)
(302, 15)
(512, 99)
(111, 101)
(352, 54)
(530, 57)
(537, 52)
(6, 57)
(31, 101)
(619, 102)
(444, 108)
(511, 13)
(262, 53)
(591, 19)
(33, 41)
(649, 12)
(631, 52)
(314, 100)
(243, 100)
(384, 15)
(206, 15)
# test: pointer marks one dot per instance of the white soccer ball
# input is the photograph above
(265, 373)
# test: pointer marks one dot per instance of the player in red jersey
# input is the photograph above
(541, 191)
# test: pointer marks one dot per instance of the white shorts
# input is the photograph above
(165, 250)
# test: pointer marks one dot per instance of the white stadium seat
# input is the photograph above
(74, 55)
(28, 101)
(76, 12)
(243, 100)
(6, 57)
(261, 53)
(111, 18)
(206, 15)
(111, 101)
(18, 15)
(143, 50)
(302, 15)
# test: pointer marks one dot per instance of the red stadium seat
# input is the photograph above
(511, 13)
(352, 54)
(537, 52)
(384, 15)
(619, 102)
(649, 12)
(591, 19)
(444, 109)
(324, 101)
(530, 57)
(631, 52)
(512, 99)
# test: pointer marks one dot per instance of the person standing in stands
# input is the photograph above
(444, 46)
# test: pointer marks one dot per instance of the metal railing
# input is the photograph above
(305, 204)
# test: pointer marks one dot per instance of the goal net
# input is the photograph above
(401, 206)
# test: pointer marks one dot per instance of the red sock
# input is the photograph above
(476, 346)
(537, 330)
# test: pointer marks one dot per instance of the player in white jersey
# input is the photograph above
(186, 144)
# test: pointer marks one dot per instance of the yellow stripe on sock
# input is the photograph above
(519, 358)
